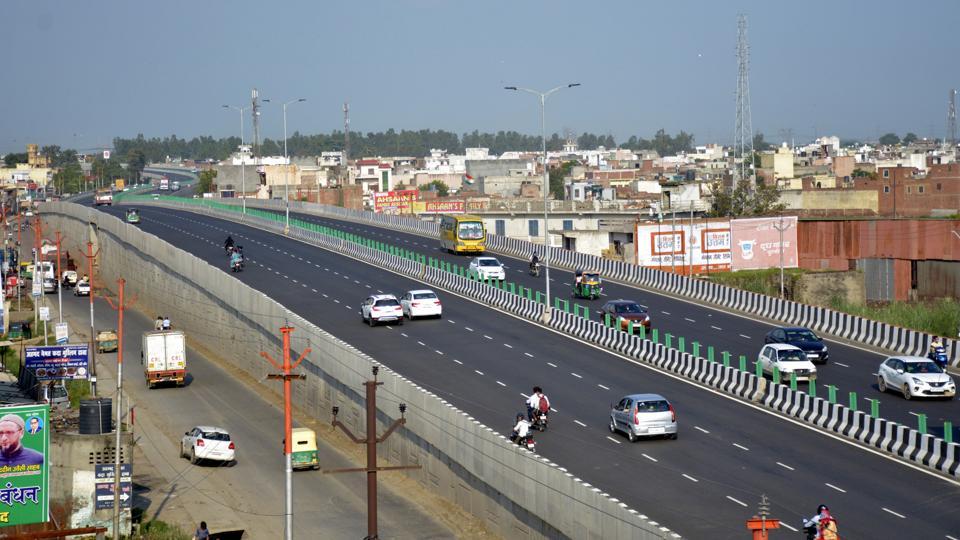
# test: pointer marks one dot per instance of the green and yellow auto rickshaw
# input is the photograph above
(133, 216)
(587, 284)
(304, 449)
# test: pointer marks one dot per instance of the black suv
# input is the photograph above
(803, 338)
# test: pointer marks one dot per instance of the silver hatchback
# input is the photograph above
(644, 415)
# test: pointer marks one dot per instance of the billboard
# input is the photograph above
(57, 362)
(756, 242)
(24, 467)
(699, 248)
(395, 202)
(438, 207)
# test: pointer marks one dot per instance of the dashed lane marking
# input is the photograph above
(653, 459)
(744, 448)
(689, 319)
(457, 361)
(478, 372)
(789, 468)
(486, 336)
(579, 423)
(421, 344)
(831, 486)
(841, 365)
(614, 440)
(551, 364)
(716, 327)
(692, 479)
(468, 329)
(528, 354)
(575, 375)
(507, 345)
(901, 516)
(745, 336)
(741, 503)
(698, 428)
(500, 383)
(602, 386)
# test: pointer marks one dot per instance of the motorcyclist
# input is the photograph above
(936, 345)
(821, 526)
(534, 261)
(520, 430)
(235, 258)
(537, 402)
(228, 244)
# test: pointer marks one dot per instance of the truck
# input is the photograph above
(163, 354)
(103, 196)
(164, 184)
(175, 186)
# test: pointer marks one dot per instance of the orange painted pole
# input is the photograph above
(761, 527)
(93, 349)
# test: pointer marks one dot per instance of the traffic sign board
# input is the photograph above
(63, 333)
(44, 313)
(103, 491)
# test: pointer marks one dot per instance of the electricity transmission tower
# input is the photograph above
(743, 139)
(951, 137)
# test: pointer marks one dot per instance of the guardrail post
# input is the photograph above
(655, 335)
(758, 369)
(793, 380)
(874, 407)
(812, 388)
(743, 363)
(777, 379)
(606, 319)
(643, 332)
(668, 339)
(831, 393)
(853, 401)
(922, 423)
(726, 358)
(513, 287)
(529, 294)
(696, 348)
(629, 328)
(710, 353)
(948, 431)
(539, 295)
(682, 344)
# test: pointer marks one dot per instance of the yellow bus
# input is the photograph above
(462, 234)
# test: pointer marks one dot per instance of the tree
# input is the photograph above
(743, 201)
(437, 185)
(890, 139)
(205, 180)
(136, 161)
(557, 177)
(69, 178)
(909, 138)
(759, 144)
(11, 160)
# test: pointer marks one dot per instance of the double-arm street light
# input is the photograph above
(243, 162)
(546, 180)
(286, 168)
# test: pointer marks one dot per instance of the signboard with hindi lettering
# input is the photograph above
(103, 490)
(24, 467)
(58, 362)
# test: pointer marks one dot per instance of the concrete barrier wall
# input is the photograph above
(516, 493)
(827, 321)
(925, 449)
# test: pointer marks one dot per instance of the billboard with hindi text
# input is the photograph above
(24, 464)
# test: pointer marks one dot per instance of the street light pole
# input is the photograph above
(286, 162)
(243, 162)
(546, 181)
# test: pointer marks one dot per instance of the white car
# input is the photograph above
(789, 359)
(380, 308)
(421, 303)
(487, 268)
(207, 442)
(915, 376)
(82, 289)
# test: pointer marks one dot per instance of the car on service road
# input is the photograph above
(421, 303)
(82, 289)
(49, 285)
(788, 359)
(915, 376)
(628, 312)
(644, 415)
(487, 268)
(803, 338)
(208, 443)
(380, 308)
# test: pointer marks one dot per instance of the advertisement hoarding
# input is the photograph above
(395, 202)
(756, 242)
(57, 362)
(702, 247)
(24, 464)
(438, 207)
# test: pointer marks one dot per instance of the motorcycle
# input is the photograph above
(525, 442)
(236, 265)
(810, 530)
(535, 269)
(228, 248)
(939, 356)
(539, 421)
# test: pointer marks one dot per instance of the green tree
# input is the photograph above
(69, 178)
(437, 185)
(136, 161)
(557, 177)
(890, 139)
(909, 138)
(205, 181)
(745, 201)
(11, 160)
(759, 144)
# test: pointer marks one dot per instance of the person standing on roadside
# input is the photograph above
(202, 532)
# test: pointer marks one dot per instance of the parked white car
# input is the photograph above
(207, 442)
(487, 268)
(788, 359)
(915, 376)
(421, 303)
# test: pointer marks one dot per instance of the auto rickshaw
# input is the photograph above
(106, 341)
(587, 285)
(26, 270)
(133, 216)
(304, 449)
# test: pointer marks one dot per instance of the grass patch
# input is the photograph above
(766, 281)
(11, 360)
(77, 390)
(940, 317)
(160, 530)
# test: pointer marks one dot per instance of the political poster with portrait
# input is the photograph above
(24, 465)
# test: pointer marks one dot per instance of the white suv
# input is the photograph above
(379, 308)
(487, 268)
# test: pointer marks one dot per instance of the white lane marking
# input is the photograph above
(716, 327)
(507, 345)
(551, 364)
(689, 319)
(388, 327)
(421, 343)
(478, 372)
(950, 537)
(745, 336)
(692, 479)
(500, 383)
(575, 375)
(614, 440)
(438, 352)
(486, 336)
(831, 486)
(457, 361)
(841, 365)
(528, 354)
(579, 423)
(314, 290)
(789, 468)
(901, 516)
(468, 329)
(665, 312)
(653, 459)
(700, 429)
(335, 300)
(915, 414)
(794, 529)
(741, 503)
(602, 386)
(379, 291)
(451, 321)
(401, 333)
(741, 447)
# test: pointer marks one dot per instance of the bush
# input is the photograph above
(765, 281)
(159, 530)
(939, 317)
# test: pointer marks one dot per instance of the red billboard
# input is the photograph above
(756, 243)
(394, 202)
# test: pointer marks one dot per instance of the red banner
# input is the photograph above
(394, 202)
(756, 243)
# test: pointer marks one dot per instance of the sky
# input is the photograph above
(80, 73)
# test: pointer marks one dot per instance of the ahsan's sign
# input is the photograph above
(439, 207)
(395, 202)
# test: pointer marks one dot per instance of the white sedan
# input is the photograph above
(487, 268)
(421, 303)
(207, 442)
(915, 376)
(789, 360)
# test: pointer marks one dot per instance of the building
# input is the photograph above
(779, 161)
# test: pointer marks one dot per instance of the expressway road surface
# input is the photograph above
(850, 369)
(250, 494)
(703, 485)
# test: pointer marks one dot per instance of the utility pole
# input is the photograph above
(781, 227)
(286, 376)
(371, 441)
(346, 142)
(119, 307)
(59, 277)
(691, 241)
(90, 255)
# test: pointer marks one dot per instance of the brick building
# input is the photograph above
(909, 192)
